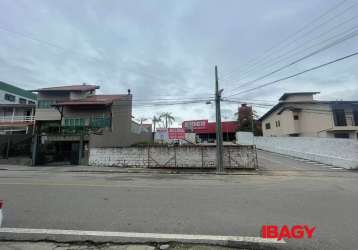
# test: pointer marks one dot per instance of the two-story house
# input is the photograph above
(72, 119)
(298, 114)
(17, 109)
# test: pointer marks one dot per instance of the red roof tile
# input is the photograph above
(80, 88)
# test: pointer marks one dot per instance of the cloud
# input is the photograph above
(167, 49)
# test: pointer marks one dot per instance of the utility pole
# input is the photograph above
(219, 139)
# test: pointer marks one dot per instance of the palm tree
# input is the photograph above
(155, 120)
(168, 118)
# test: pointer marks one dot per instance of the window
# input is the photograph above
(10, 98)
(295, 117)
(341, 135)
(100, 122)
(278, 124)
(74, 122)
(355, 114)
(268, 125)
(45, 103)
(22, 100)
(31, 102)
(339, 117)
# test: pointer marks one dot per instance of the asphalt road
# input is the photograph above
(284, 191)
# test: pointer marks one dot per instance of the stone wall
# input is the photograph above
(188, 156)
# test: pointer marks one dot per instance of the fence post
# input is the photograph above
(175, 156)
(256, 160)
(148, 156)
(202, 157)
(229, 148)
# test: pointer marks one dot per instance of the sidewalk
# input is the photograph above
(11, 245)
(97, 169)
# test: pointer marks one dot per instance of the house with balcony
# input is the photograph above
(72, 119)
(299, 114)
(17, 110)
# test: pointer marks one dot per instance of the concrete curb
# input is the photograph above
(125, 241)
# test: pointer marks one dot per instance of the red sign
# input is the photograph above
(287, 232)
(196, 124)
(176, 133)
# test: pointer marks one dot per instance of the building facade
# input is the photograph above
(299, 114)
(10, 94)
(72, 119)
(17, 109)
(205, 131)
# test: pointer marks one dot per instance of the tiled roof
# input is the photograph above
(17, 91)
(92, 100)
(80, 88)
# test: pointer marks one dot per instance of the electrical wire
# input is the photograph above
(56, 46)
(294, 75)
(328, 46)
(268, 52)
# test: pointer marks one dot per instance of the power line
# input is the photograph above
(330, 45)
(56, 46)
(267, 62)
(297, 74)
(293, 35)
(288, 54)
(248, 102)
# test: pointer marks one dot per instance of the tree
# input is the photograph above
(168, 118)
(155, 120)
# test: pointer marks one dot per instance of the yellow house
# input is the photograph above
(298, 114)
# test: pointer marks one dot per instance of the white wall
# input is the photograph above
(173, 157)
(332, 151)
(245, 138)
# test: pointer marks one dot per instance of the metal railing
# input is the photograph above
(22, 118)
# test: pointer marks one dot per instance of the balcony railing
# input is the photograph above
(77, 126)
(23, 118)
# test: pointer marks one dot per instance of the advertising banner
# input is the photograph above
(196, 124)
(176, 133)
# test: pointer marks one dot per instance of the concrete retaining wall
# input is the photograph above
(336, 152)
(173, 157)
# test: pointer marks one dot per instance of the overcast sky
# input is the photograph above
(168, 49)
